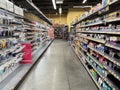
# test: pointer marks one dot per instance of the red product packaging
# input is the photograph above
(27, 57)
(102, 60)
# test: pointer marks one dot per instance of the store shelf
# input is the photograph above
(99, 87)
(96, 70)
(115, 61)
(10, 13)
(112, 7)
(81, 53)
(93, 39)
(96, 61)
(102, 22)
(44, 41)
(113, 32)
(15, 78)
(113, 45)
(15, 23)
(30, 33)
(9, 49)
(116, 19)
(114, 73)
(20, 49)
(31, 7)
(93, 24)
(104, 78)
(28, 29)
(87, 70)
(100, 12)
(29, 37)
(29, 24)
(83, 48)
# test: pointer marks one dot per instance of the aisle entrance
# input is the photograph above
(58, 69)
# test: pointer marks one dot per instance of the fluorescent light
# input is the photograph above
(84, 1)
(82, 6)
(87, 6)
(60, 11)
(54, 4)
(59, 2)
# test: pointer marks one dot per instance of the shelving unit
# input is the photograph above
(100, 13)
(16, 30)
(100, 54)
(93, 39)
(31, 7)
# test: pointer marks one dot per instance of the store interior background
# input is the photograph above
(65, 19)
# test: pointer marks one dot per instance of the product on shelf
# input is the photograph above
(98, 32)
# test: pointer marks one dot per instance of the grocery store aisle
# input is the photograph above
(58, 69)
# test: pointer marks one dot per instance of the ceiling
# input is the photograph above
(46, 6)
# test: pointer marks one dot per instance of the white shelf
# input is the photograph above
(93, 24)
(15, 78)
(94, 39)
(87, 70)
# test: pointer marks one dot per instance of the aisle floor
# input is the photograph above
(58, 69)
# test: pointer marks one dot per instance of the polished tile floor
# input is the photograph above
(58, 69)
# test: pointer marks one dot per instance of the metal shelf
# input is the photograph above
(93, 39)
(82, 48)
(100, 12)
(102, 22)
(115, 32)
(31, 7)
(104, 78)
(114, 73)
(14, 80)
(115, 61)
(93, 24)
(93, 78)
(10, 13)
(110, 70)
(113, 45)
(96, 61)
(87, 70)
(112, 20)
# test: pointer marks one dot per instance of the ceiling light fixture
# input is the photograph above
(82, 6)
(84, 1)
(60, 10)
(54, 4)
(59, 1)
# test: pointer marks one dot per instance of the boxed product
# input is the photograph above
(16, 9)
(21, 12)
(10, 6)
(114, 38)
(3, 4)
